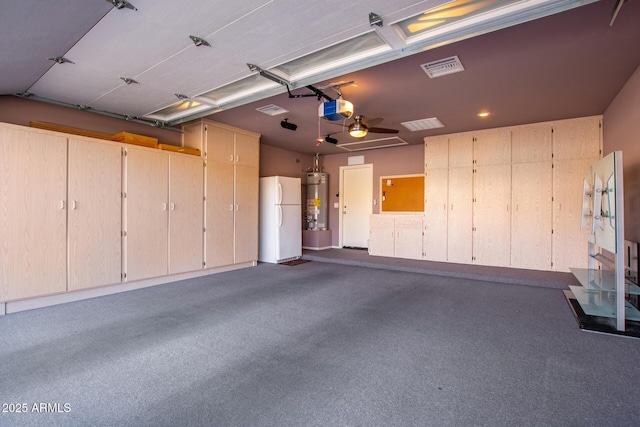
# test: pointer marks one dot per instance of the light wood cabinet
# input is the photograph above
(397, 236)
(568, 241)
(531, 143)
(186, 213)
(492, 215)
(492, 147)
(94, 213)
(460, 150)
(147, 203)
(522, 206)
(531, 215)
(577, 138)
(245, 224)
(436, 152)
(382, 235)
(408, 238)
(80, 213)
(460, 216)
(33, 209)
(231, 187)
(435, 215)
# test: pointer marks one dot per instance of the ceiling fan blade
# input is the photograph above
(383, 130)
(372, 122)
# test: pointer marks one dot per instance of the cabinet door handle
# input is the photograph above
(164, 206)
(231, 208)
(237, 159)
(231, 158)
(173, 206)
(74, 205)
(236, 208)
(61, 204)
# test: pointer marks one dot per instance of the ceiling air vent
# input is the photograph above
(443, 67)
(423, 124)
(272, 110)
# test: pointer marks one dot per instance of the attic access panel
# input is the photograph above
(373, 144)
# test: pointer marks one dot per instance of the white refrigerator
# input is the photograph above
(280, 219)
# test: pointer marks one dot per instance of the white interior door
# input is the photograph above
(356, 184)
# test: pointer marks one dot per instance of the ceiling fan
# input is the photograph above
(360, 128)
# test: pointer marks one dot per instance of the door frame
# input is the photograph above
(368, 166)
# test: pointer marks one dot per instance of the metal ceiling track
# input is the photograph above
(133, 119)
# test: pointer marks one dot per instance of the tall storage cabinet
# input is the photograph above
(576, 146)
(513, 195)
(33, 205)
(231, 191)
(492, 197)
(186, 213)
(531, 215)
(436, 196)
(95, 213)
(147, 186)
(164, 213)
(460, 203)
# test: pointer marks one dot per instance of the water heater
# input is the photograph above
(317, 199)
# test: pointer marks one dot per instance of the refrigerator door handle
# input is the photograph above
(279, 193)
(281, 215)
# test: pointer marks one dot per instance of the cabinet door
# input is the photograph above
(408, 242)
(460, 150)
(186, 212)
(147, 214)
(531, 215)
(246, 214)
(569, 242)
(492, 215)
(531, 143)
(95, 214)
(459, 224)
(220, 208)
(492, 147)
(436, 152)
(220, 144)
(382, 237)
(33, 246)
(247, 150)
(576, 138)
(435, 215)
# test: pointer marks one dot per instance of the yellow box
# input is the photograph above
(185, 150)
(132, 138)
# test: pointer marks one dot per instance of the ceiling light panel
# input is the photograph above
(423, 124)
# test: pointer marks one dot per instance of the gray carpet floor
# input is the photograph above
(317, 344)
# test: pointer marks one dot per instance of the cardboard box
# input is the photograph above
(132, 138)
(185, 150)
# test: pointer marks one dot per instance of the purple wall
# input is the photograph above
(276, 161)
(621, 132)
(405, 160)
(21, 111)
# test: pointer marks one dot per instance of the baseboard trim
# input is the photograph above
(78, 295)
(311, 248)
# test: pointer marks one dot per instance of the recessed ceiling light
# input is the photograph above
(484, 114)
